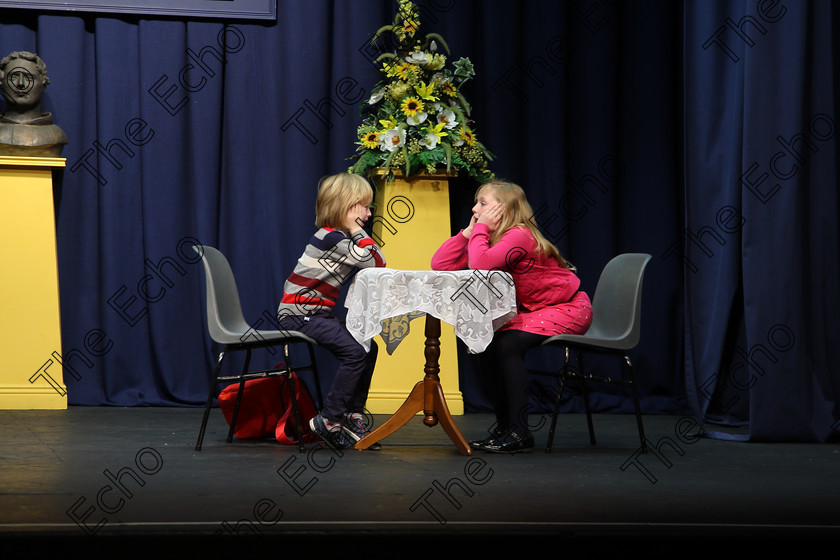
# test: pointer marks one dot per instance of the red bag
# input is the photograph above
(266, 409)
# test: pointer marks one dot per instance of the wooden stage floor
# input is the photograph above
(100, 478)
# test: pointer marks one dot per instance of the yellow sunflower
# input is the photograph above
(406, 71)
(410, 26)
(411, 106)
(467, 136)
(448, 88)
(370, 139)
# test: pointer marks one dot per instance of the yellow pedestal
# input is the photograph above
(30, 328)
(410, 223)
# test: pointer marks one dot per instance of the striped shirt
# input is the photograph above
(329, 260)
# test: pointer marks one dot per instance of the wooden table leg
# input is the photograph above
(426, 396)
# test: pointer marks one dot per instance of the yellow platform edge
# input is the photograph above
(32, 398)
(28, 161)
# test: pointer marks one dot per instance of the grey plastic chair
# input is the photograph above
(615, 329)
(228, 327)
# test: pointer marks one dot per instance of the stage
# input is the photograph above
(99, 477)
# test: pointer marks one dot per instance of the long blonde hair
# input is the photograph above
(518, 213)
(337, 194)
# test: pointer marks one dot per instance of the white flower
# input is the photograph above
(447, 118)
(419, 58)
(376, 97)
(417, 119)
(429, 141)
(392, 139)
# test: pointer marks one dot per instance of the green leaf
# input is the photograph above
(462, 119)
(485, 151)
(464, 103)
(448, 149)
(383, 56)
(380, 31)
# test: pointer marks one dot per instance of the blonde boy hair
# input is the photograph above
(518, 213)
(337, 194)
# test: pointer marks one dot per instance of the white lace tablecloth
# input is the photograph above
(384, 301)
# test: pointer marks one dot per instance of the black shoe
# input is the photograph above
(511, 442)
(489, 440)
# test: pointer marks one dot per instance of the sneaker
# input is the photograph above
(355, 425)
(331, 433)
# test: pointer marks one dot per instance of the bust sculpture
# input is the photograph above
(24, 129)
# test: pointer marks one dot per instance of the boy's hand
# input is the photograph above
(356, 217)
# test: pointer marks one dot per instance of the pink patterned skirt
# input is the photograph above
(572, 317)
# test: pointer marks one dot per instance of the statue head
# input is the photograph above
(23, 79)
(24, 129)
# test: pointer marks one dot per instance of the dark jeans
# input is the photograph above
(349, 390)
(504, 377)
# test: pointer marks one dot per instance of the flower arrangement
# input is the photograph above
(417, 118)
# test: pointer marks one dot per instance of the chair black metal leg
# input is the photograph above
(209, 402)
(560, 386)
(586, 406)
(242, 381)
(292, 391)
(239, 397)
(315, 375)
(636, 404)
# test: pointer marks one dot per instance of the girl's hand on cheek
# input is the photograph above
(468, 230)
(491, 217)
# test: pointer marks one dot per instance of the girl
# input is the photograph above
(333, 254)
(501, 236)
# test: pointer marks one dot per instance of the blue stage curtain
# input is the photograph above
(760, 243)
(634, 127)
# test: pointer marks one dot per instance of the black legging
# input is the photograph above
(505, 378)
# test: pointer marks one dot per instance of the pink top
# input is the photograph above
(548, 294)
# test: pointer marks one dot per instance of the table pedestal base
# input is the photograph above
(426, 396)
